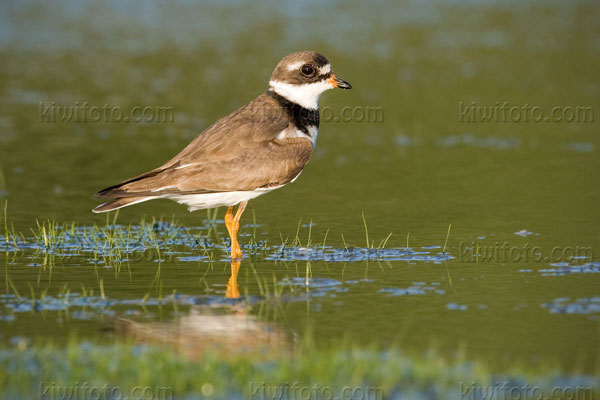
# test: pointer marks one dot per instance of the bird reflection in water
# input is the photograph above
(217, 326)
(232, 291)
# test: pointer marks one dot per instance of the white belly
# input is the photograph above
(213, 200)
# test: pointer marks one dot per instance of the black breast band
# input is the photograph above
(303, 118)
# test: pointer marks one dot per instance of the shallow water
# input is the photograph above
(516, 281)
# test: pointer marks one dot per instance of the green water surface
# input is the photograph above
(419, 168)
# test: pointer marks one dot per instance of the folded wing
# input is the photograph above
(267, 164)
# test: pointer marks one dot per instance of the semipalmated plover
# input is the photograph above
(257, 148)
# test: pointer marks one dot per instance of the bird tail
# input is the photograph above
(120, 203)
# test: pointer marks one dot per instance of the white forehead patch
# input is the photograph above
(295, 66)
(325, 69)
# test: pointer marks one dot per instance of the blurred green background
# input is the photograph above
(415, 172)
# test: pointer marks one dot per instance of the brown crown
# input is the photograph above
(282, 72)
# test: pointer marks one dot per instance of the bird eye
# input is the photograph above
(307, 70)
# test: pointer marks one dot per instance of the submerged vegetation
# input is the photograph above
(108, 253)
(161, 240)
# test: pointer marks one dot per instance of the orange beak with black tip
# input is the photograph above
(338, 83)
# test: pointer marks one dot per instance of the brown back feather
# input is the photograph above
(238, 152)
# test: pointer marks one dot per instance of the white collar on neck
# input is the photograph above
(306, 95)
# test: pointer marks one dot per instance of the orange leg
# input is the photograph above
(233, 226)
(230, 229)
(236, 221)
